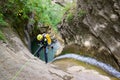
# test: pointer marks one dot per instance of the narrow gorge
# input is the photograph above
(85, 38)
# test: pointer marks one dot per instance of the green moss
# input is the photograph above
(70, 17)
(2, 21)
(2, 37)
(2, 24)
(81, 13)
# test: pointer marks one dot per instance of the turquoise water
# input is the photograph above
(50, 51)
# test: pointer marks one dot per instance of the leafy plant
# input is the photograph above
(19, 11)
(2, 37)
(2, 22)
(46, 12)
(81, 13)
(70, 10)
(69, 6)
(70, 17)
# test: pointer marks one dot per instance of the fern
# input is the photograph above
(2, 37)
(45, 12)
(2, 22)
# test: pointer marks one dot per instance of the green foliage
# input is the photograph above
(70, 6)
(2, 37)
(70, 17)
(46, 12)
(81, 13)
(70, 10)
(18, 12)
(2, 22)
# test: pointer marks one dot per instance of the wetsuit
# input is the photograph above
(44, 45)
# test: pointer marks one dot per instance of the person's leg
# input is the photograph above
(46, 58)
(38, 50)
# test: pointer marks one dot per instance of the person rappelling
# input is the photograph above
(44, 40)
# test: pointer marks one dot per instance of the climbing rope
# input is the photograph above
(18, 72)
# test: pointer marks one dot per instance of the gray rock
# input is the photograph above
(114, 17)
(98, 27)
(17, 63)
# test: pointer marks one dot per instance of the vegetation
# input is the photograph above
(45, 12)
(70, 9)
(70, 17)
(81, 13)
(2, 23)
(17, 13)
(2, 37)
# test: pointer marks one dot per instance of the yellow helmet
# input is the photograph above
(39, 37)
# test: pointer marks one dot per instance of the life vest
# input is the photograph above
(48, 38)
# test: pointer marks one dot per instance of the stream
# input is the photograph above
(51, 54)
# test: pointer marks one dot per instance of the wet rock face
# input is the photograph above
(17, 63)
(95, 28)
